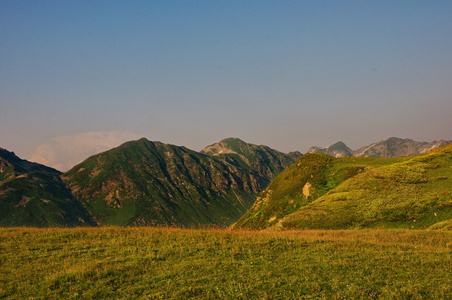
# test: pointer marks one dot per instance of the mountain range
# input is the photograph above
(145, 183)
(392, 147)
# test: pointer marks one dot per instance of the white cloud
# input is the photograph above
(66, 151)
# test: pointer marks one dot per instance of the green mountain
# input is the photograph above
(151, 183)
(261, 161)
(320, 191)
(33, 195)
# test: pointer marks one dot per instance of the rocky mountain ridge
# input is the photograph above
(392, 147)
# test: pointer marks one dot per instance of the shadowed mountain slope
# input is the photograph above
(33, 195)
(151, 183)
(320, 191)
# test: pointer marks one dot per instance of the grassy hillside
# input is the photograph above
(150, 263)
(320, 191)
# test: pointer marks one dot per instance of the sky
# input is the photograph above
(81, 77)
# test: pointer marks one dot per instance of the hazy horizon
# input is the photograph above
(77, 78)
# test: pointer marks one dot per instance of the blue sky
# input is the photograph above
(78, 77)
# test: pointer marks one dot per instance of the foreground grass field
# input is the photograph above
(153, 263)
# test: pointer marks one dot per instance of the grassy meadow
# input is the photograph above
(171, 263)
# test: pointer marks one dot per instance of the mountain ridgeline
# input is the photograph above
(392, 147)
(32, 194)
(323, 192)
(150, 183)
(144, 183)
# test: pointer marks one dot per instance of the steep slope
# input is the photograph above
(33, 195)
(326, 192)
(392, 147)
(151, 183)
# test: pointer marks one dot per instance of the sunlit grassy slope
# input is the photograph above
(320, 191)
(150, 263)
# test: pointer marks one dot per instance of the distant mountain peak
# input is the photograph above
(231, 139)
(237, 146)
(339, 149)
(225, 146)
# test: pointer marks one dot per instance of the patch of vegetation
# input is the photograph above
(153, 263)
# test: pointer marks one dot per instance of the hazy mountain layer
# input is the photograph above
(392, 147)
(151, 183)
(33, 195)
(320, 191)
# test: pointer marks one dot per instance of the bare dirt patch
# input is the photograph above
(307, 190)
